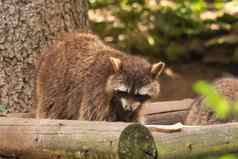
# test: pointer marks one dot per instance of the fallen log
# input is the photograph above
(198, 142)
(190, 142)
(49, 139)
(166, 112)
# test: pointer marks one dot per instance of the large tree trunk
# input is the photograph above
(26, 27)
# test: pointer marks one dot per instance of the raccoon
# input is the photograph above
(199, 114)
(81, 78)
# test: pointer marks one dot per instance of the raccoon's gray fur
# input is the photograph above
(79, 77)
(199, 114)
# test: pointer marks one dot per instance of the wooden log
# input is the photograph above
(190, 142)
(18, 115)
(49, 139)
(199, 142)
(167, 112)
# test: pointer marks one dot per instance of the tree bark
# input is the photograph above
(26, 27)
(49, 139)
(198, 142)
(190, 142)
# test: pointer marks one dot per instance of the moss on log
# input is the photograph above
(136, 142)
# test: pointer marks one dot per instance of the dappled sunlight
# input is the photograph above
(167, 29)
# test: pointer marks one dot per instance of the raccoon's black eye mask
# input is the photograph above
(137, 97)
(120, 93)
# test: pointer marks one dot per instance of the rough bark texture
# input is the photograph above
(31, 138)
(26, 27)
(51, 139)
(198, 142)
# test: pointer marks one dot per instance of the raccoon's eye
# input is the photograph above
(122, 93)
(142, 98)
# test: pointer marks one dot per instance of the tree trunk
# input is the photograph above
(26, 27)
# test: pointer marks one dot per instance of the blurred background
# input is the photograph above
(198, 39)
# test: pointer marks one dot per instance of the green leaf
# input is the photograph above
(2, 108)
(204, 88)
(236, 108)
(228, 156)
(198, 5)
(223, 108)
(219, 104)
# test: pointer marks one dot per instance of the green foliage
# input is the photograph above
(221, 106)
(3, 108)
(226, 156)
(173, 30)
(213, 99)
(229, 156)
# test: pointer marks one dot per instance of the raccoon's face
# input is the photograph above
(131, 86)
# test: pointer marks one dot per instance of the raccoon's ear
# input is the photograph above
(116, 64)
(157, 69)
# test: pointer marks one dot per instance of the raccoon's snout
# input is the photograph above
(129, 106)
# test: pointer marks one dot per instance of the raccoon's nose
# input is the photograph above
(132, 107)
(127, 107)
(125, 104)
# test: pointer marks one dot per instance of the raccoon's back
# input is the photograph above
(73, 62)
(74, 52)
